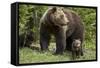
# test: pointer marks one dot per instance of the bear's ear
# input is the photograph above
(62, 8)
(54, 9)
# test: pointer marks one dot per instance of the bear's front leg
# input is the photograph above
(44, 39)
(60, 42)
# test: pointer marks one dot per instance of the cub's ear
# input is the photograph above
(54, 9)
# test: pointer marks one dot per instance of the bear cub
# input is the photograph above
(76, 49)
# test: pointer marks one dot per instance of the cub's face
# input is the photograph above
(58, 17)
(76, 45)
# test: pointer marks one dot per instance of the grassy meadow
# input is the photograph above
(34, 55)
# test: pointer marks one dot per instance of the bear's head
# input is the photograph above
(58, 17)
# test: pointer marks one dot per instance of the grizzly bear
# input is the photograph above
(64, 24)
(76, 48)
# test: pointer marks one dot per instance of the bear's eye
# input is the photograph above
(61, 16)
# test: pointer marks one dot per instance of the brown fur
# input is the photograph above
(76, 48)
(65, 25)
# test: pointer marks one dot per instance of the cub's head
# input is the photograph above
(58, 17)
(76, 44)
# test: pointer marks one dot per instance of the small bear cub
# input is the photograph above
(76, 48)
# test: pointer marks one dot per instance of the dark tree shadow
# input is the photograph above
(34, 48)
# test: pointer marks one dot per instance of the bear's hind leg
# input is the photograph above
(69, 44)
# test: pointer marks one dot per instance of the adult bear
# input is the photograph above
(65, 25)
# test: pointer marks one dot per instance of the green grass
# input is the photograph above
(28, 55)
